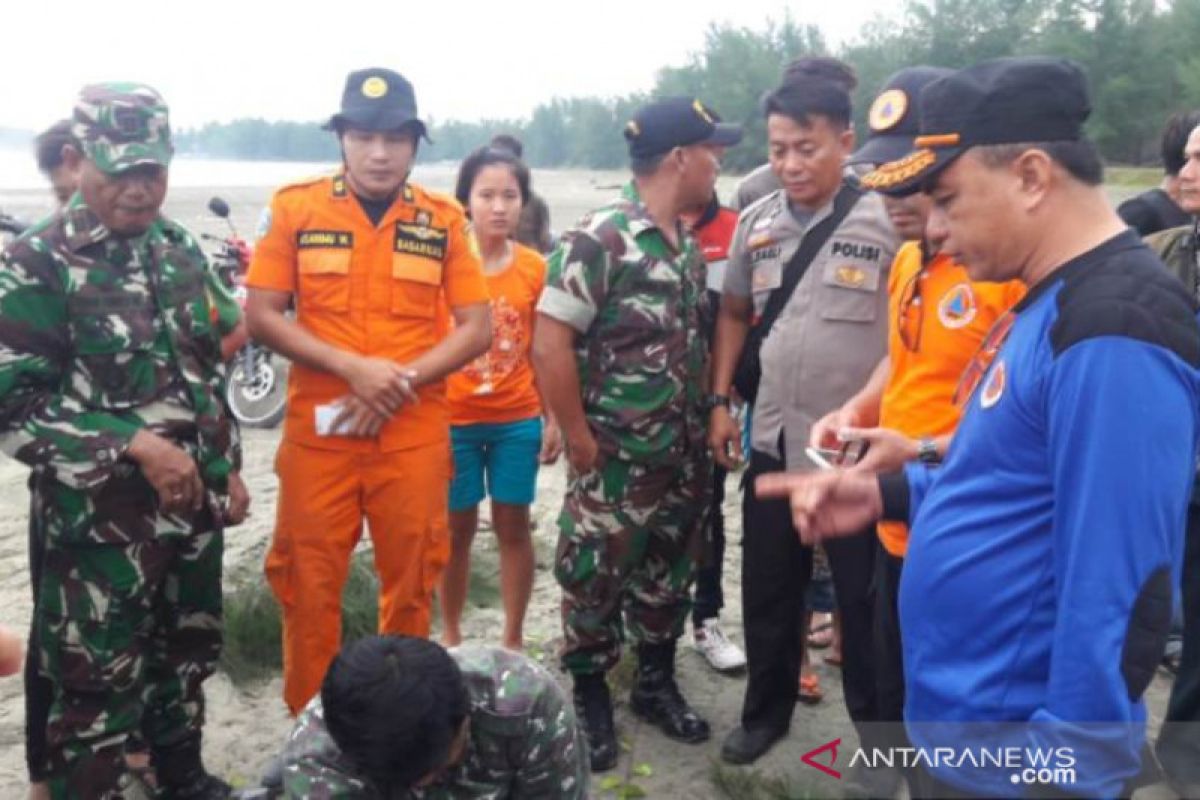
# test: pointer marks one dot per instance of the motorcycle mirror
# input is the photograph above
(219, 207)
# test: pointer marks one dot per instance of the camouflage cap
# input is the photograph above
(122, 125)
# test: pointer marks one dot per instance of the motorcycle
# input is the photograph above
(256, 387)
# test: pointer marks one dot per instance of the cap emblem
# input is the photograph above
(374, 87)
(702, 112)
(887, 110)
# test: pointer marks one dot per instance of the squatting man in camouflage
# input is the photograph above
(111, 391)
(620, 360)
(400, 717)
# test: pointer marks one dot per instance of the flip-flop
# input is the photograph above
(809, 692)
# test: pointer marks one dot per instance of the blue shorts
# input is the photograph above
(506, 453)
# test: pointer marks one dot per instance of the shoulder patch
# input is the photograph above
(434, 200)
(759, 207)
(1128, 294)
(303, 183)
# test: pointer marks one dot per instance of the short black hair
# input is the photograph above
(506, 141)
(473, 164)
(803, 99)
(394, 705)
(1174, 139)
(1079, 157)
(824, 68)
(49, 144)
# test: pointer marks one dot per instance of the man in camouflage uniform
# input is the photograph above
(1178, 745)
(400, 717)
(111, 391)
(620, 358)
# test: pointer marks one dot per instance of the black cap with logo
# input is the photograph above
(893, 118)
(377, 99)
(672, 122)
(1003, 101)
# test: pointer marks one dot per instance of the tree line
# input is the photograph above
(1141, 57)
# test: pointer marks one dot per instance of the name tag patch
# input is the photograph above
(340, 239)
(863, 252)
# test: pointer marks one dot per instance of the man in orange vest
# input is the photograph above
(368, 258)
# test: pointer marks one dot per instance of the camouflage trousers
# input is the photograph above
(126, 628)
(630, 538)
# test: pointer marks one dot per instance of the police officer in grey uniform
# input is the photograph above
(822, 345)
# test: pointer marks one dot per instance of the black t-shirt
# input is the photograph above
(1152, 211)
(375, 209)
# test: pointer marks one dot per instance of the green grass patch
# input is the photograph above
(747, 783)
(254, 627)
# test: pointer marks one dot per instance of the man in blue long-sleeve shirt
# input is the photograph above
(1038, 586)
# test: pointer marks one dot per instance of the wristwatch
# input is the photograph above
(711, 401)
(927, 452)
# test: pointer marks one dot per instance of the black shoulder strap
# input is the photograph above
(797, 265)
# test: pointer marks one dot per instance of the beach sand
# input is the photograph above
(246, 725)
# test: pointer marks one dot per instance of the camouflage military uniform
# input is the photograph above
(631, 530)
(100, 337)
(524, 741)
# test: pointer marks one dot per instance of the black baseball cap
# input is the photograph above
(893, 118)
(677, 122)
(1003, 101)
(377, 99)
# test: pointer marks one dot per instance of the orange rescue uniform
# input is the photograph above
(372, 290)
(937, 318)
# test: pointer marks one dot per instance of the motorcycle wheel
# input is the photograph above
(258, 400)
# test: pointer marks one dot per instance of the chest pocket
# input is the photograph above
(115, 366)
(850, 290)
(416, 282)
(324, 278)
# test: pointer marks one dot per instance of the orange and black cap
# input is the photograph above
(1003, 101)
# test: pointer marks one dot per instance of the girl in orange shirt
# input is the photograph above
(496, 423)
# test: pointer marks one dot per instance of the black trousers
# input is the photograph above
(709, 598)
(889, 652)
(1178, 746)
(776, 570)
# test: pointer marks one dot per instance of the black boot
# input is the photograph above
(181, 774)
(656, 698)
(593, 707)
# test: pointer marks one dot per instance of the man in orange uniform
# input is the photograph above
(938, 318)
(367, 257)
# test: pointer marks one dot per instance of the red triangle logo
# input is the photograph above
(810, 758)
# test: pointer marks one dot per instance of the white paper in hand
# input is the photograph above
(324, 417)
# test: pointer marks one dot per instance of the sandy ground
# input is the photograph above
(246, 725)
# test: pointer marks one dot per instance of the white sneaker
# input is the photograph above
(721, 654)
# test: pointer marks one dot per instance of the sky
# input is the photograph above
(217, 60)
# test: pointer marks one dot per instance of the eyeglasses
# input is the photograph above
(911, 315)
(983, 358)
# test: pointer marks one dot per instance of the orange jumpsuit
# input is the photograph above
(373, 290)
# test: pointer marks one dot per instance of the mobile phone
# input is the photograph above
(821, 457)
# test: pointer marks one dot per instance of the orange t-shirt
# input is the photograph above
(944, 316)
(369, 289)
(498, 386)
